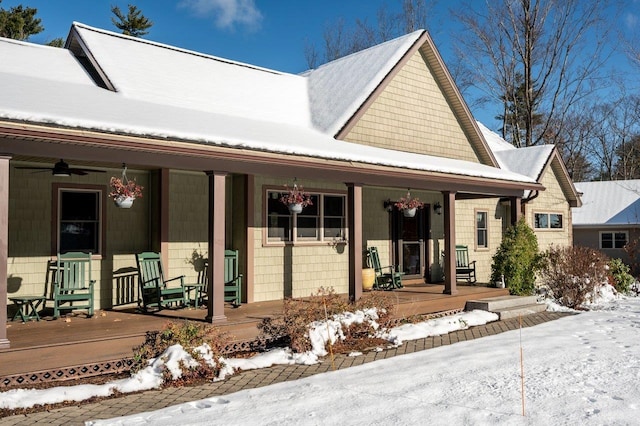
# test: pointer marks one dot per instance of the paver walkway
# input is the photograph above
(156, 399)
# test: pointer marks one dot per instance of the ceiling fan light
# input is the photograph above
(61, 169)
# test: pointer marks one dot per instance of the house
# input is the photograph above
(215, 141)
(609, 218)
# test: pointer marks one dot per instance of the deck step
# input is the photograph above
(507, 306)
(521, 310)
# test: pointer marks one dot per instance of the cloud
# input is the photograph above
(631, 20)
(227, 13)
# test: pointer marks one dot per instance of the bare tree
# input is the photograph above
(542, 55)
(341, 40)
(571, 141)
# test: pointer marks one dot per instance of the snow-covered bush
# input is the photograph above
(204, 342)
(300, 314)
(571, 274)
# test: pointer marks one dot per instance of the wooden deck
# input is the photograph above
(111, 335)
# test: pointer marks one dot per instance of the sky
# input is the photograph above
(267, 33)
(582, 369)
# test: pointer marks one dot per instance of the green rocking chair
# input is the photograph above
(154, 289)
(387, 278)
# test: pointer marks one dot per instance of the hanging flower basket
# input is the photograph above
(408, 205)
(124, 202)
(124, 191)
(295, 198)
(409, 212)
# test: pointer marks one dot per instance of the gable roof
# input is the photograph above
(338, 88)
(531, 161)
(338, 96)
(123, 104)
(609, 203)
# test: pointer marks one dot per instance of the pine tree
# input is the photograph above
(19, 22)
(134, 23)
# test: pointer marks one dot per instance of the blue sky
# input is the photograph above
(267, 33)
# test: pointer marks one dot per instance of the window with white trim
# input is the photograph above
(482, 228)
(323, 220)
(79, 220)
(547, 221)
(613, 239)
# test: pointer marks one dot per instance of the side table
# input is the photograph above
(27, 307)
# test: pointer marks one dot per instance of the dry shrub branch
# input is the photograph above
(293, 326)
(571, 274)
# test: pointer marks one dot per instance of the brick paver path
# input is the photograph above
(156, 399)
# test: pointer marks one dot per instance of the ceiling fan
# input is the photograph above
(62, 169)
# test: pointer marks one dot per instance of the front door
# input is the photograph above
(409, 242)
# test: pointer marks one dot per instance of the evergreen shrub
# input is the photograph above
(517, 259)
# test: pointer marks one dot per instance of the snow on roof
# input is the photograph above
(39, 96)
(496, 143)
(337, 89)
(612, 203)
(35, 60)
(529, 161)
(158, 73)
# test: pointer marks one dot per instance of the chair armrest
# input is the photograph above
(181, 278)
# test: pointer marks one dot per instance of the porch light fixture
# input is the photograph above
(437, 208)
(388, 205)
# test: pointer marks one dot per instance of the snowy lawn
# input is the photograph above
(582, 369)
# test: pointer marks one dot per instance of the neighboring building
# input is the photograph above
(214, 141)
(609, 217)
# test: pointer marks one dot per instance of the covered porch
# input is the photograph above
(59, 350)
(217, 163)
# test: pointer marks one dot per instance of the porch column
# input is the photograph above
(4, 246)
(354, 223)
(163, 240)
(216, 246)
(449, 243)
(516, 209)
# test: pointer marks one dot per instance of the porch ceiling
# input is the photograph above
(38, 143)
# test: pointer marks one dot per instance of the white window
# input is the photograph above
(323, 220)
(547, 221)
(482, 229)
(79, 223)
(613, 239)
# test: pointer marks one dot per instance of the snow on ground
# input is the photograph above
(320, 333)
(578, 370)
(581, 369)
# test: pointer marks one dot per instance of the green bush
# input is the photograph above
(619, 274)
(517, 259)
(571, 274)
